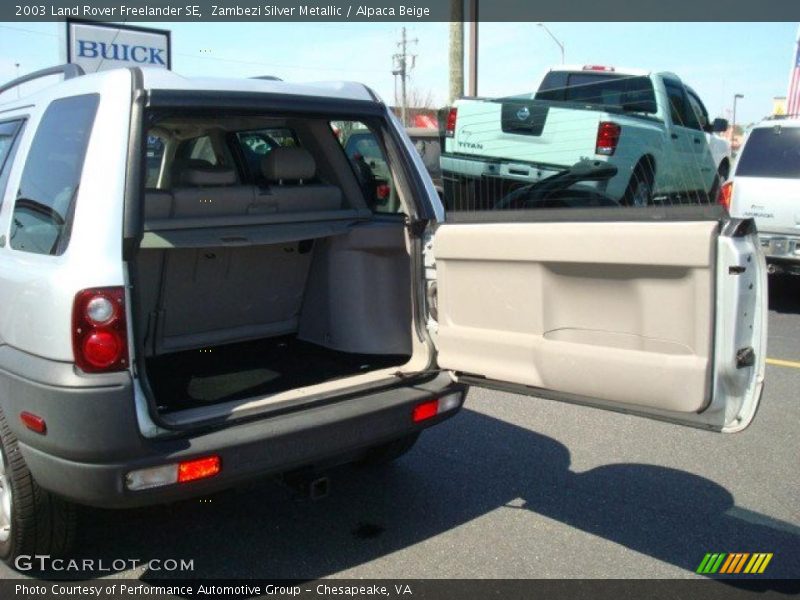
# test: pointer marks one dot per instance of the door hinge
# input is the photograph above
(745, 357)
(417, 228)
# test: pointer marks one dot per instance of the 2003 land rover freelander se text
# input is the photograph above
(178, 316)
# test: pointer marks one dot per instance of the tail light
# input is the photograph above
(431, 408)
(725, 195)
(425, 411)
(182, 472)
(383, 191)
(99, 330)
(598, 68)
(199, 468)
(450, 128)
(607, 138)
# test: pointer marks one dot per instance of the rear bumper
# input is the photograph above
(480, 183)
(781, 251)
(464, 166)
(92, 440)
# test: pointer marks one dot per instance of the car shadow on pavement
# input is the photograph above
(784, 293)
(471, 466)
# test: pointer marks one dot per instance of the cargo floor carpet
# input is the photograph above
(234, 371)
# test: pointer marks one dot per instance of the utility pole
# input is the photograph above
(17, 77)
(733, 125)
(473, 47)
(403, 63)
(456, 49)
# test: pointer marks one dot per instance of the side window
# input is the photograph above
(681, 112)
(366, 156)
(155, 158)
(699, 110)
(42, 211)
(9, 134)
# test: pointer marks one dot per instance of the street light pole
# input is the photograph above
(733, 117)
(555, 39)
(16, 65)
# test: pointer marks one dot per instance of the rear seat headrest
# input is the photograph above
(288, 163)
(208, 176)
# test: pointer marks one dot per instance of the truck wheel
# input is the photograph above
(32, 520)
(640, 188)
(390, 451)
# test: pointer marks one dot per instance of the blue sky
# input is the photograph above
(717, 59)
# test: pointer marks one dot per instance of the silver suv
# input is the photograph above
(766, 187)
(198, 289)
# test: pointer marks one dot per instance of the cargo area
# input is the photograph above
(271, 261)
(235, 323)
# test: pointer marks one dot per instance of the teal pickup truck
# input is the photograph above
(647, 125)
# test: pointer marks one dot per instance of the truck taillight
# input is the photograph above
(99, 330)
(598, 68)
(607, 138)
(450, 127)
(725, 195)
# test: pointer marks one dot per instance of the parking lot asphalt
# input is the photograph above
(511, 487)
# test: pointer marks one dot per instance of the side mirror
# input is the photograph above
(645, 106)
(719, 125)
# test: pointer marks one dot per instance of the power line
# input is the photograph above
(274, 65)
(29, 31)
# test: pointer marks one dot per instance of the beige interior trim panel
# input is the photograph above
(621, 312)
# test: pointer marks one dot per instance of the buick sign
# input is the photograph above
(523, 113)
(101, 46)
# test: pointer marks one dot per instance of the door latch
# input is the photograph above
(745, 357)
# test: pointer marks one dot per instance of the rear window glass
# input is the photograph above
(8, 135)
(771, 152)
(52, 173)
(596, 88)
(369, 164)
(256, 144)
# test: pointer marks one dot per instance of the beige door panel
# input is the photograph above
(621, 312)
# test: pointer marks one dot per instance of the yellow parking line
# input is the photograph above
(783, 363)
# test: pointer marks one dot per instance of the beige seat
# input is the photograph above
(290, 173)
(212, 192)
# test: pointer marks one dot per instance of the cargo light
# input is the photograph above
(99, 330)
(182, 472)
(607, 138)
(725, 195)
(431, 408)
(450, 127)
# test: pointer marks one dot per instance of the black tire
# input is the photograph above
(640, 188)
(38, 521)
(390, 451)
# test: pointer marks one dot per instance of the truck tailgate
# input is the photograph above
(532, 131)
(773, 202)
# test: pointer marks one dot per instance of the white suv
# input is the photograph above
(766, 187)
(200, 287)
